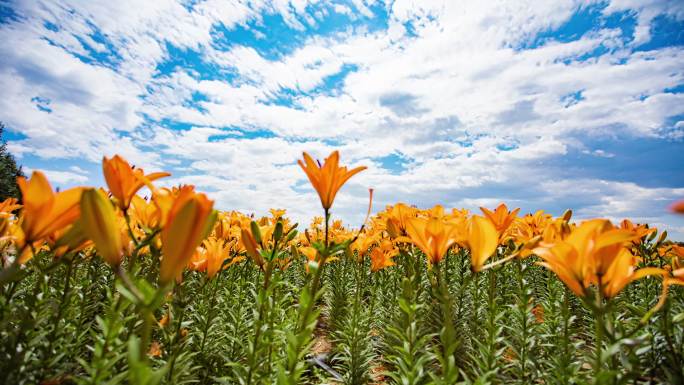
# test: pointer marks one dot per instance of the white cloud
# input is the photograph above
(646, 11)
(446, 87)
(61, 178)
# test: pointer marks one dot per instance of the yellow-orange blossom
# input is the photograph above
(124, 181)
(329, 178)
(433, 236)
(44, 210)
(593, 254)
(189, 220)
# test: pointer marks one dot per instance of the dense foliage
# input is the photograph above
(101, 288)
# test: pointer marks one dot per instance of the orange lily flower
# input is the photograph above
(11, 234)
(678, 250)
(678, 207)
(482, 239)
(640, 231)
(622, 271)
(44, 210)
(189, 220)
(217, 253)
(124, 181)
(211, 256)
(501, 218)
(528, 231)
(276, 213)
(145, 213)
(397, 216)
(362, 244)
(310, 253)
(436, 212)
(329, 178)
(223, 228)
(164, 320)
(675, 277)
(9, 205)
(433, 236)
(198, 261)
(164, 198)
(592, 250)
(155, 349)
(538, 312)
(381, 256)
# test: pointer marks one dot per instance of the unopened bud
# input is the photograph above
(278, 232)
(567, 215)
(256, 232)
(663, 236)
(291, 235)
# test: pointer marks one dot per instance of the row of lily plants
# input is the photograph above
(107, 286)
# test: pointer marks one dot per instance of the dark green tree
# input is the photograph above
(9, 171)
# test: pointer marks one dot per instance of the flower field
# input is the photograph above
(116, 285)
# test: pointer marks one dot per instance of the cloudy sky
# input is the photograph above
(541, 104)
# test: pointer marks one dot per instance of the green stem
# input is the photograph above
(60, 310)
(599, 327)
(522, 308)
(475, 315)
(146, 333)
(99, 358)
(210, 314)
(130, 228)
(177, 334)
(66, 291)
(565, 312)
(315, 283)
(263, 299)
(327, 219)
(491, 321)
(448, 333)
(301, 337)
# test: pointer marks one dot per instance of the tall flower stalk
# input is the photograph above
(326, 179)
(595, 264)
(266, 250)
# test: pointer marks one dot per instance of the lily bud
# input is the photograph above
(294, 251)
(190, 220)
(256, 232)
(251, 247)
(98, 220)
(663, 236)
(278, 231)
(567, 215)
(291, 235)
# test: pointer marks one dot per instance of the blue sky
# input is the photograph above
(544, 106)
